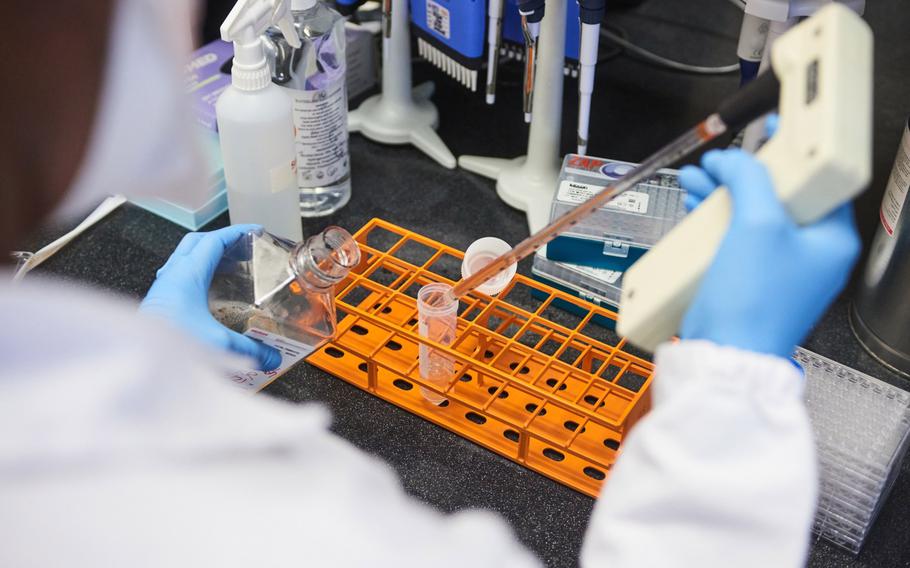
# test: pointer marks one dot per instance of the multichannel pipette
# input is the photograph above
(750, 102)
(450, 37)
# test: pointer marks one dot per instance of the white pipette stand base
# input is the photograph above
(411, 122)
(520, 184)
(528, 183)
(400, 114)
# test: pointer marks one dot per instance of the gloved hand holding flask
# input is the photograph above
(180, 294)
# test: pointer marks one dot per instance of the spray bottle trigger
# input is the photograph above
(286, 25)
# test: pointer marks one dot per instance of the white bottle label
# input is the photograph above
(438, 19)
(291, 353)
(281, 177)
(321, 123)
(898, 185)
(578, 192)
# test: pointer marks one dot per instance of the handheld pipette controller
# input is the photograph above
(255, 124)
(819, 158)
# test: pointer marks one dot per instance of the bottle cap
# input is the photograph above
(482, 252)
(298, 5)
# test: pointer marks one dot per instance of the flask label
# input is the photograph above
(291, 353)
(898, 185)
(321, 122)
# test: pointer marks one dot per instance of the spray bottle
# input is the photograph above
(314, 73)
(255, 124)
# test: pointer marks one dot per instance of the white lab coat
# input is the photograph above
(122, 445)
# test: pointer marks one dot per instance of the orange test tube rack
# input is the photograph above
(551, 391)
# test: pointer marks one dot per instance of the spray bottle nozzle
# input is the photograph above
(256, 16)
(243, 26)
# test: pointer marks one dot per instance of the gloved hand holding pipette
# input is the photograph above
(771, 279)
(727, 405)
(180, 294)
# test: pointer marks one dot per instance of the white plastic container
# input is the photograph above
(256, 127)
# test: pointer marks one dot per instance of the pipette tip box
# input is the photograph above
(623, 230)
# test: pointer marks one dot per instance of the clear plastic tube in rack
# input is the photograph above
(437, 317)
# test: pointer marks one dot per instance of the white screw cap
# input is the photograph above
(482, 252)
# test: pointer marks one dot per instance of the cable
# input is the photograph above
(606, 53)
(617, 39)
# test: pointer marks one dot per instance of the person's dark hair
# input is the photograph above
(54, 72)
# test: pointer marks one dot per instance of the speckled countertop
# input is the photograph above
(638, 108)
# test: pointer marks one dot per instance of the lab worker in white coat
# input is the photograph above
(123, 444)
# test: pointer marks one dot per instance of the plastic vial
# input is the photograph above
(437, 317)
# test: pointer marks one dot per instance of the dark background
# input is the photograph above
(637, 108)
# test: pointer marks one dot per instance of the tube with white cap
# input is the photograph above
(437, 313)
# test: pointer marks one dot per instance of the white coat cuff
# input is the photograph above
(690, 363)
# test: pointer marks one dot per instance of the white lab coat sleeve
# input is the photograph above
(124, 445)
(721, 472)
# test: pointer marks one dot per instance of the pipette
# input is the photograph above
(494, 38)
(590, 14)
(532, 12)
(757, 98)
(386, 19)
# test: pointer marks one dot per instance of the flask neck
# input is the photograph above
(323, 260)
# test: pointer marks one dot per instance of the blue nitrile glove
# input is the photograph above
(771, 279)
(180, 294)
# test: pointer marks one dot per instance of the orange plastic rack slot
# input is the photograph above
(552, 391)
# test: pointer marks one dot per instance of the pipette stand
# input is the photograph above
(528, 182)
(400, 114)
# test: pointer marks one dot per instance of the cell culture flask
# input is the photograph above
(283, 288)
